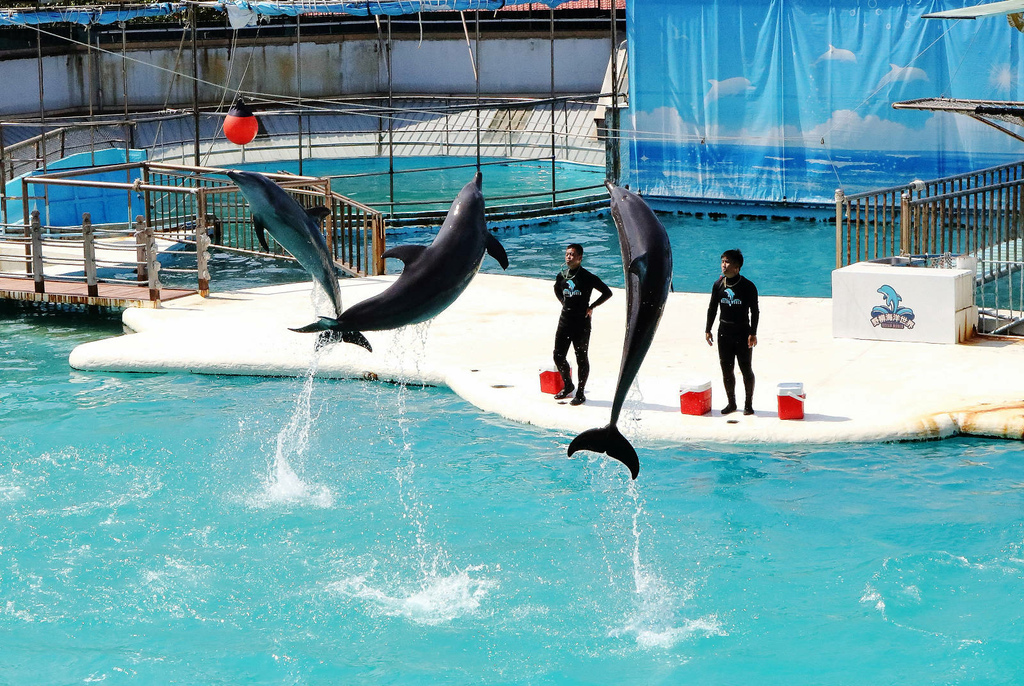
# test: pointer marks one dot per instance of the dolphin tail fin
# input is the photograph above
(496, 250)
(330, 333)
(609, 441)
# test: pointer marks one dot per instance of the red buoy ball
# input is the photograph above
(240, 126)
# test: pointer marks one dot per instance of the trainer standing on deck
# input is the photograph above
(573, 287)
(736, 298)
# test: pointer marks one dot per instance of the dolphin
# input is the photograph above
(647, 263)
(835, 54)
(434, 275)
(891, 297)
(298, 231)
(898, 73)
(737, 85)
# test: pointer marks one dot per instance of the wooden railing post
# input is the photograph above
(141, 263)
(905, 223)
(378, 245)
(203, 262)
(152, 266)
(89, 252)
(328, 227)
(840, 198)
(36, 231)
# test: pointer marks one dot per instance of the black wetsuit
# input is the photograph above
(574, 324)
(739, 316)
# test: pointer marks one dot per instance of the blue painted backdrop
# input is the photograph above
(773, 100)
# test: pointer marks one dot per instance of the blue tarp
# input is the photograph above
(368, 7)
(353, 7)
(790, 99)
(68, 203)
(103, 16)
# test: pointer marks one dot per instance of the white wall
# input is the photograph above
(338, 67)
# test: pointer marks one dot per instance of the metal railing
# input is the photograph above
(980, 214)
(964, 214)
(182, 202)
(1001, 299)
(527, 131)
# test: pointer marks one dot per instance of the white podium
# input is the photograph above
(894, 303)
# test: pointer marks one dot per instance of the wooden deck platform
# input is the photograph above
(73, 293)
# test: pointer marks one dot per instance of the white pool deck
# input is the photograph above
(489, 346)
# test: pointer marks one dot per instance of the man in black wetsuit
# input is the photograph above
(736, 297)
(573, 287)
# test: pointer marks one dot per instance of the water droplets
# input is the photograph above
(282, 484)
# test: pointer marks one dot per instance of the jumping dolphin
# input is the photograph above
(298, 231)
(434, 275)
(647, 263)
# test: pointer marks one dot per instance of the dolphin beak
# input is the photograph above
(478, 179)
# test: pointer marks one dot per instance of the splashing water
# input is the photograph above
(441, 591)
(654, 621)
(282, 483)
(436, 600)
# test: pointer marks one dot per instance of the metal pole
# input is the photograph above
(391, 123)
(91, 67)
(613, 122)
(124, 69)
(298, 79)
(195, 82)
(3, 178)
(551, 57)
(42, 108)
(476, 63)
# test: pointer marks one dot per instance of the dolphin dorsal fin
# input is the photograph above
(405, 253)
(318, 214)
(496, 250)
(638, 266)
(261, 232)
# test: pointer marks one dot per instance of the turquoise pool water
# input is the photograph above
(218, 530)
(430, 183)
(792, 258)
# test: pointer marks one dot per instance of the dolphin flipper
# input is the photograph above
(406, 253)
(322, 324)
(638, 266)
(318, 214)
(261, 233)
(497, 251)
(609, 441)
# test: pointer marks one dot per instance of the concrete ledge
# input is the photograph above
(489, 346)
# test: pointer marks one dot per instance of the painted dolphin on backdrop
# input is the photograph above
(834, 54)
(647, 263)
(434, 275)
(737, 85)
(906, 74)
(298, 231)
